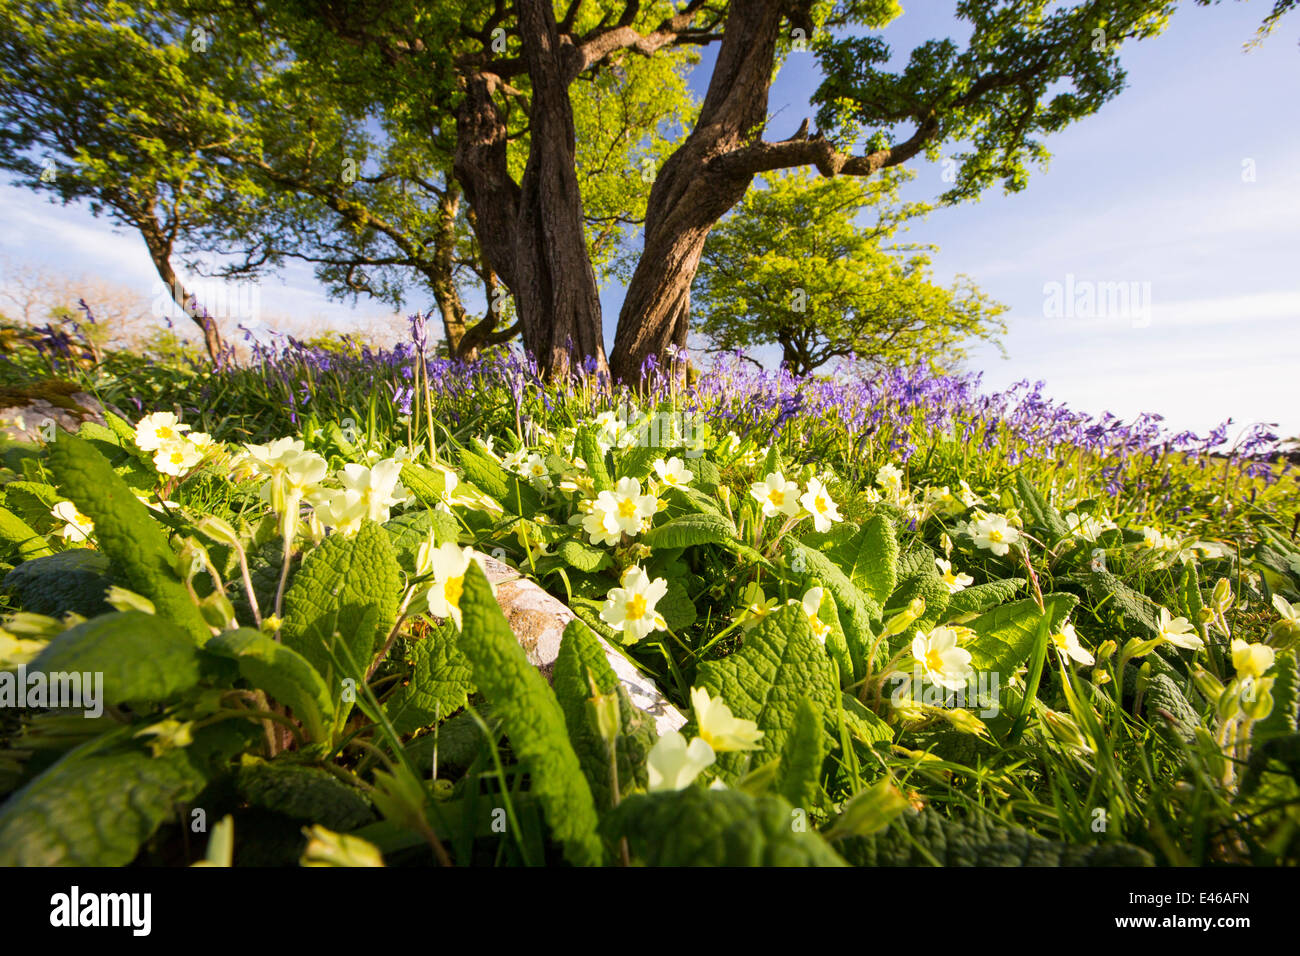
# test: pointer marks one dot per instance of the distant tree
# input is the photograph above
(793, 266)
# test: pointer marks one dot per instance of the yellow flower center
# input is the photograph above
(165, 432)
(636, 607)
(627, 507)
(452, 589)
(1061, 641)
(776, 497)
(177, 457)
(820, 503)
(995, 535)
(933, 660)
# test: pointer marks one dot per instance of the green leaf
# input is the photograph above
(928, 838)
(587, 448)
(981, 597)
(676, 606)
(927, 586)
(581, 655)
(1163, 697)
(485, 473)
(75, 580)
(533, 720)
(1005, 635)
(1042, 515)
(779, 664)
(125, 531)
(583, 556)
(348, 587)
(100, 802)
(32, 501)
(1286, 698)
(439, 684)
(407, 532)
(283, 673)
(699, 827)
(856, 609)
(798, 778)
(1106, 590)
(19, 535)
(690, 530)
(865, 725)
(142, 657)
(425, 483)
(305, 793)
(874, 551)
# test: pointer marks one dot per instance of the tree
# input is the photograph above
(1029, 68)
(790, 266)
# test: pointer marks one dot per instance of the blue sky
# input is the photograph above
(1149, 191)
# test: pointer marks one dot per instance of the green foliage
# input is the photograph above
(303, 792)
(346, 590)
(928, 839)
(142, 659)
(836, 290)
(283, 673)
(439, 682)
(581, 661)
(780, 664)
(73, 580)
(532, 719)
(125, 530)
(696, 827)
(799, 775)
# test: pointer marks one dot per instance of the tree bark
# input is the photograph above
(160, 253)
(693, 191)
(531, 233)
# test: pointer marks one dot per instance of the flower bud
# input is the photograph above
(904, 618)
(1221, 598)
(1105, 650)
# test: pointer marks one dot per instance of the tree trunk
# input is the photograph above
(160, 252)
(690, 194)
(532, 234)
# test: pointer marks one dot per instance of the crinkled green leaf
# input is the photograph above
(283, 673)
(856, 609)
(1005, 635)
(690, 530)
(798, 777)
(533, 720)
(74, 580)
(978, 842)
(439, 684)
(125, 531)
(406, 532)
(346, 587)
(780, 663)
(20, 536)
(303, 792)
(143, 658)
(101, 801)
(581, 655)
(1041, 514)
(583, 556)
(699, 827)
(981, 597)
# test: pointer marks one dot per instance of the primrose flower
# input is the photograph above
(621, 511)
(343, 510)
(817, 502)
(968, 497)
(758, 608)
(535, 469)
(1287, 627)
(942, 501)
(77, 527)
(157, 429)
(1153, 538)
(1178, 631)
(1086, 526)
(954, 581)
(718, 728)
(380, 487)
(940, 659)
(515, 460)
(776, 495)
(448, 564)
(890, 478)
(673, 765)
(673, 472)
(811, 604)
(631, 607)
(993, 532)
(1251, 660)
(1066, 642)
(176, 457)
